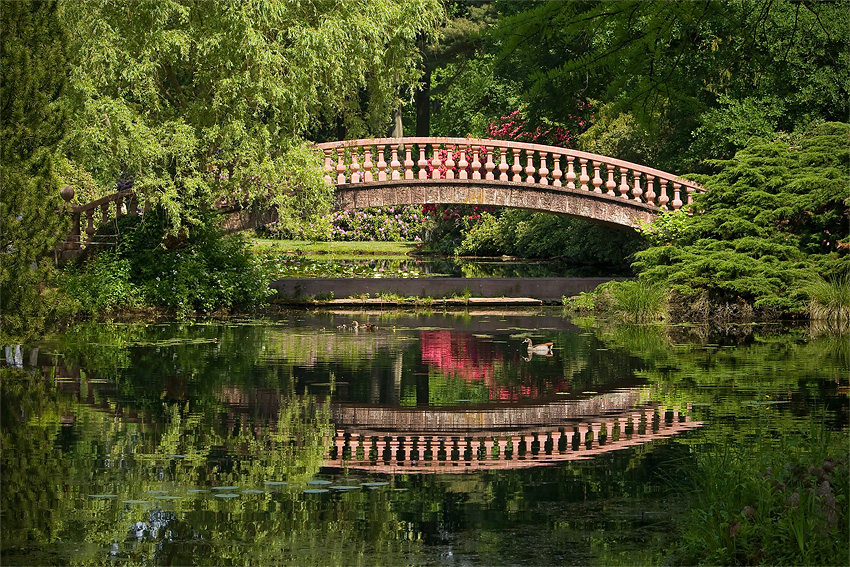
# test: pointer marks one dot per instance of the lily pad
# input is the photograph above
(253, 491)
(345, 487)
(226, 495)
(103, 496)
(320, 482)
(316, 490)
(225, 487)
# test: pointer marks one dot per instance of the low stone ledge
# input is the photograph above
(464, 290)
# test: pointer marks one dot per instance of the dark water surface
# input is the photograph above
(429, 439)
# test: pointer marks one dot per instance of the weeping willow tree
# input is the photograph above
(204, 101)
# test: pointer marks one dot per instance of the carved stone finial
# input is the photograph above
(67, 193)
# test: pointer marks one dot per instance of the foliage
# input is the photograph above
(830, 300)
(540, 235)
(32, 123)
(203, 271)
(774, 215)
(638, 301)
(202, 100)
(666, 229)
(666, 63)
(782, 503)
(100, 285)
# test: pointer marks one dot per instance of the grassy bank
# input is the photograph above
(340, 249)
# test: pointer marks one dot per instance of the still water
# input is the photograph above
(422, 439)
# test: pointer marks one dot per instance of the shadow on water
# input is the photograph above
(408, 439)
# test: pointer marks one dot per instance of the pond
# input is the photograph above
(432, 438)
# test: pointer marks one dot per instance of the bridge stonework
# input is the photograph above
(600, 208)
(399, 171)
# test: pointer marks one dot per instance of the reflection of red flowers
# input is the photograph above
(465, 357)
(458, 355)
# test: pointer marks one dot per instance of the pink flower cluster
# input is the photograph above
(515, 127)
(468, 155)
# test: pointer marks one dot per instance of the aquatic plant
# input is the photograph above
(830, 300)
(775, 503)
(638, 300)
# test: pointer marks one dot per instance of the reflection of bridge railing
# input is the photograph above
(428, 452)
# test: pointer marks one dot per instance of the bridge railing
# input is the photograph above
(123, 202)
(391, 159)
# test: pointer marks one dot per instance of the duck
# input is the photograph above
(367, 326)
(540, 349)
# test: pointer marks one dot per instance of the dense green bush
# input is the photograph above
(101, 284)
(540, 235)
(385, 224)
(773, 217)
(201, 270)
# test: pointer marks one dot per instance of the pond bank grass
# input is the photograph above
(335, 248)
(774, 502)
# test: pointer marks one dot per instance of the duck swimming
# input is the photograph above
(540, 349)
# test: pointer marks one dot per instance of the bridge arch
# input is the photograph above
(382, 171)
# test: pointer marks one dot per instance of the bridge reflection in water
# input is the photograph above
(393, 440)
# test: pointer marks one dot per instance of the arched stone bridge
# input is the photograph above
(400, 171)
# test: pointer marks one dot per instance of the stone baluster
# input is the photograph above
(636, 190)
(104, 212)
(677, 199)
(557, 173)
(367, 164)
(530, 170)
(340, 166)
(134, 205)
(408, 161)
(690, 190)
(90, 225)
(610, 184)
(355, 167)
(436, 162)
(517, 168)
(489, 165)
(571, 174)
(544, 170)
(450, 164)
(329, 165)
(503, 163)
(422, 163)
(382, 164)
(597, 179)
(662, 195)
(476, 163)
(462, 164)
(650, 189)
(119, 207)
(584, 177)
(395, 164)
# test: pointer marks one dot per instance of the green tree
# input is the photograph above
(666, 63)
(773, 217)
(32, 123)
(200, 101)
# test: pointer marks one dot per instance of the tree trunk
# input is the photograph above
(422, 98)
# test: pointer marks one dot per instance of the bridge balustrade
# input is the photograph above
(123, 202)
(457, 452)
(406, 159)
